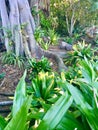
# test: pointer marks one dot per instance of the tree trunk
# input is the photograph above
(17, 18)
(5, 22)
(35, 4)
(17, 15)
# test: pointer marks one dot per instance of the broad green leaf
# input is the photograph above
(50, 85)
(90, 113)
(3, 123)
(20, 95)
(36, 87)
(54, 115)
(77, 96)
(35, 115)
(87, 70)
(18, 122)
(70, 123)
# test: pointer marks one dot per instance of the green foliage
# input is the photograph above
(73, 73)
(88, 90)
(45, 21)
(39, 34)
(56, 113)
(18, 122)
(56, 103)
(3, 123)
(80, 51)
(35, 66)
(43, 85)
(85, 88)
(46, 45)
(49, 101)
(63, 10)
(2, 75)
(11, 59)
(73, 39)
(33, 11)
(20, 109)
(66, 122)
(50, 35)
(20, 95)
(53, 37)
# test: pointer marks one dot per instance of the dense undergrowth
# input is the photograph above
(65, 101)
(46, 100)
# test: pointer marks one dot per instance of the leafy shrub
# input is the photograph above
(45, 21)
(39, 34)
(43, 86)
(55, 103)
(11, 59)
(53, 37)
(80, 51)
(34, 66)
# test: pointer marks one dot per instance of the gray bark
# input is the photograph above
(12, 19)
(19, 14)
(5, 22)
(35, 4)
(25, 18)
(15, 27)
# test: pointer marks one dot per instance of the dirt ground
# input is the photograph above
(12, 76)
(13, 73)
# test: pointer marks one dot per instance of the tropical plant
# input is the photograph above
(53, 37)
(45, 21)
(73, 73)
(85, 88)
(43, 85)
(34, 66)
(39, 34)
(50, 101)
(56, 103)
(11, 59)
(80, 50)
(46, 45)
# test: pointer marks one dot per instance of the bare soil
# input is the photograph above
(9, 82)
(12, 76)
(13, 73)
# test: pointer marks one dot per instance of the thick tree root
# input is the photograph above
(48, 54)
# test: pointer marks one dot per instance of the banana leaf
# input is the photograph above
(54, 115)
